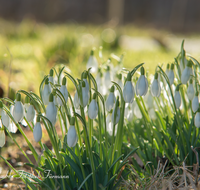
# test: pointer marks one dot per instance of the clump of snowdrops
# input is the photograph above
(113, 113)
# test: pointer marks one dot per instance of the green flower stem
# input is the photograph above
(59, 117)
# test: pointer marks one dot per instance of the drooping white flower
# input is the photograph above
(142, 84)
(37, 131)
(177, 98)
(64, 91)
(85, 95)
(71, 135)
(197, 119)
(110, 101)
(128, 91)
(195, 102)
(92, 63)
(2, 137)
(187, 72)
(116, 113)
(155, 87)
(30, 114)
(46, 92)
(190, 90)
(51, 110)
(171, 74)
(4, 117)
(18, 110)
(93, 108)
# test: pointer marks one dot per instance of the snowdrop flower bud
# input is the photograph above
(195, 102)
(5, 119)
(85, 96)
(37, 131)
(18, 110)
(30, 114)
(142, 84)
(190, 90)
(107, 78)
(167, 70)
(128, 91)
(155, 87)
(46, 92)
(116, 112)
(171, 74)
(197, 119)
(51, 77)
(51, 110)
(2, 137)
(177, 98)
(71, 135)
(111, 99)
(186, 73)
(76, 101)
(92, 62)
(93, 108)
(26, 104)
(63, 90)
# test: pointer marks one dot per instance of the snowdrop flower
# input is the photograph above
(186, 73)
(128, 91)
(190, 90)
(195, 102)
(30, 114)
(37, 131)
(197, 119)
(4, 116)
(167, 70)
(142, 84)
(177, 98)
(51, 110)
(92, 62)
(116, 113)
(63, 90)
(107, 78)
(110, 99)
(93, 108)
(155, 87)
(76, 100)
(71, 135)
(85, 95)
(171, 74)
(46, 92)
(2, 137)
(18, 110)
(84, 78)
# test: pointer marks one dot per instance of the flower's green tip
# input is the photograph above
(83, 83)
(108, 68)
(94, 96)
(142, 70)
(190, 63)
(31, 102)
(47, 81)
(64, 80)
(128, 77)
(197, 93)
(38, 119)
(168, 66)
(51, 73)
(18, 97)
(92, 52)
(72, 121)
(1, 104)
(51, 97)
(191, 81)
(112, 89)
(156, 75)
(198, 109)
(117, 102)
(119, 76)
(172, 66)
(27, 100)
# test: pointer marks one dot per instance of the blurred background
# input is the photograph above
(36, 35)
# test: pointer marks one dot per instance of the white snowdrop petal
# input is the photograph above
(45, 94)
(110, 102)
(155, 88)
(76, 101)
(195, 104)
(197, 119)
(85, 96)
(92, 63)
(71, 136)
(171, 76)
(5, 119)
(18, 111)
(128, 92)
(51, 112)
(177, 99)
(37, 132)
(2, 138)
(93, 109)
(190, 92)
(185, 75)
(142, 86)
(63, 90)
(30, 113)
